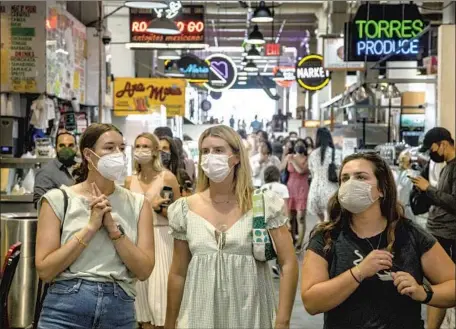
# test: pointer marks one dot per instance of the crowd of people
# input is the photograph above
(185, 245)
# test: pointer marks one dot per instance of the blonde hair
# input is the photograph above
(242, 180)
(156, 162)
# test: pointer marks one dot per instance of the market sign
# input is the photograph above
(379, 30)
(146, 95)
(223, 72)
(310, 73)
(189, 20)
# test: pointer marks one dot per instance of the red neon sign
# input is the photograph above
(188, 27)
(272, 49)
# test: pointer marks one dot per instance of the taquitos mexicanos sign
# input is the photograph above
(138, 95)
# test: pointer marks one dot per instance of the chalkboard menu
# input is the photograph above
(22, 50)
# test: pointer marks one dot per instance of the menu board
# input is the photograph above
(66, 55)
(22, 50)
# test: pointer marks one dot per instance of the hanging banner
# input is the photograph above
(66, 57)
(379, 30)
(22, 51)
(146, 95)
(310, 73)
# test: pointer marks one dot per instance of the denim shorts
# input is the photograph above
(82, 304)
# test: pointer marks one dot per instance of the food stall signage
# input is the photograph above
(380, 30)
(145, 95)
(310, 73)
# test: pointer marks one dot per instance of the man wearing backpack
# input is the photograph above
(442, 214)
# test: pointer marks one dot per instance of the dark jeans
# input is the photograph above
(449, 246)
(82, 304)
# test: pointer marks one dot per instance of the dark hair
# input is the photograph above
(163, 131)
(391, 209)
(88, 140)
(180, 147)
(176, 162)
(292, 132)
(268, 145)
(309, 142)
(271, 174)
(187, 138)
(242, 133)
(61, 134)
(184, 180)
(324, 140)
(263, 134)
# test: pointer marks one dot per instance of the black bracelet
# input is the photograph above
(354, 277)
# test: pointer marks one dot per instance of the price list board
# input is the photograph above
(23, 52)
(66, 41)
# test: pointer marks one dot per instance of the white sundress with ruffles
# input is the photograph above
(225, 286)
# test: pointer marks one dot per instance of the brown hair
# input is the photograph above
(88, 140)
(242, 181)
(391, 209)
(156, 162)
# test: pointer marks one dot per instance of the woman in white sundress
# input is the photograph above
(215, 282)
(149, 180)
(321, 189)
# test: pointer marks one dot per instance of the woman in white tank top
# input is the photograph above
(150, 179)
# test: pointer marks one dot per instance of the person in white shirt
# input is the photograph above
(259, 162)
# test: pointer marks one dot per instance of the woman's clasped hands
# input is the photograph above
(100, 214)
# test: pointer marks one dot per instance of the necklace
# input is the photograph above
(379, 241)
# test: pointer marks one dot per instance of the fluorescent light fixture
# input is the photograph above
(145, 45)
(152, 4)
(262, 14)
(251, 67)
(242, 77)
(163, 26)
(253, 53)
(242, 82)
(256, 37)
(168, 54)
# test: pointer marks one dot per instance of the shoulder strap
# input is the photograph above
(65, 208)
(333, 156)
(258, 210)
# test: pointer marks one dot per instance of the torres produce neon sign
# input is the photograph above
(385, 37)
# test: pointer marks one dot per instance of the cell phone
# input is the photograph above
(167, 193)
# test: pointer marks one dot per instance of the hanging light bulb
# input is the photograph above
(147, 4)
(253, 53)
(262, 14)
(256, 37)
(164, 26)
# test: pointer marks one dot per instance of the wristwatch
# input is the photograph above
(121, 233)
(429, 293)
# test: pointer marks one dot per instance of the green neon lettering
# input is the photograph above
(383, 29)
(417, 27)
(395, 28)
(371, 29)
(406, 29)
(360, 27)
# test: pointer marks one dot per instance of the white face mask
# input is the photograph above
(216, 167)
(112, 166)
(355, 196)
(143, 156)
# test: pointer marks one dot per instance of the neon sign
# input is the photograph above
(388, 37)
(310, 73)
(173, 10)
(380, 30)
(189, 20)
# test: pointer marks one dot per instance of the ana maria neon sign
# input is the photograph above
(385, 37)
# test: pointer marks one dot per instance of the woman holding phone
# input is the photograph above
(161, 188)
